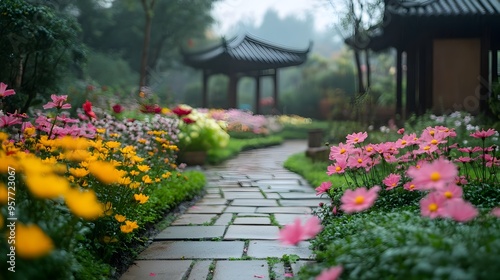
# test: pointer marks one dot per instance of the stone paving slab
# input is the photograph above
(284, 210)
(200, 270)
(303, 202)
(267, 248)
(174, 270)
(272, 195)
(251, 232)
(241, 189)
(206, 209)
(212, 191)
(298, 265)
(285, 219)
(287, 188)
(191, 232)
(212, 201)
(279, 182)
(300, 195)
(168, 250)
(254, 202)
(240, 209)
(252, 221)
(236, 195)
(241, 270)
(224, 219)
(193, 219)
(279, 271)
(213, 195)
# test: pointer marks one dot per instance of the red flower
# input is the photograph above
(117, 108)
(151, 109)
(181, 111)
(87, 107)
(188, 120)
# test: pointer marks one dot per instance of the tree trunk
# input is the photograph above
(361, 87)
(368, 70)
(148, 11)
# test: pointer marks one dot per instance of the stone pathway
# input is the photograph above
(232, 232)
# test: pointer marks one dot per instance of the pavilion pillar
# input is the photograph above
(257, 94)
(204, 97)
(411, 81)
(275, 91)
(399, 82)
(484, 86)
(494, 65)
(232, 91)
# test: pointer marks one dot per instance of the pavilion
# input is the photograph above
(451, 52)
(244, 56)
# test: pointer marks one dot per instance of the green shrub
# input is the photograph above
(402, 245)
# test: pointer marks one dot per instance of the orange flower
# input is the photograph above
(141, 198)
(32, 242)
(84, 204)
(105, 172)
(129, 226)
(120, 218)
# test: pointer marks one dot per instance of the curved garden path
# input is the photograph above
(231, 233)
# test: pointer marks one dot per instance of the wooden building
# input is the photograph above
(450, 49)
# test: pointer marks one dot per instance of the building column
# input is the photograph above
(232, 92)
(411, 81)
(204, 97)
(399, 82)
(257, 94)
(275, 91)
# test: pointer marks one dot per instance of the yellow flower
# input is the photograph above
(100, 130)
(32, 242)
(114, 135)
(142, 94)
(77, 155)
(166, 175)
(113, 144)
(29, 132)
(134, 185)
(142, 141)
(105, 172)
(79, 172)
(4, 195)
(6, 162)
(129, 226)
(136, 159)
(141, 198)
(157, 180)
(165, 111)
(50, 160)
(72, 143)
(134, 172)
(120, 218)
(108, 208)
(3, 136)
(125, 181)
(46, 186)
(146, 179)
(143, 168)
(84, 204)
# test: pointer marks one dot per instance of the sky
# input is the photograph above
(228, 13)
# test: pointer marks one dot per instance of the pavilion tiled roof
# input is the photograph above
(245, 54)
(429, 8)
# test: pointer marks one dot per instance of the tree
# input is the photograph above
(38, 45)
(359, 18)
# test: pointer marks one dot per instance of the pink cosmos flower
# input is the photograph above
(460, 210)
(463, 159)
(495, 212)
(332, 273)
(401, 130)
(58, 101)
(356, 138)
(359, 199)
(359, 161)
(432, 205)
(410, 186)
(461, 180)
(4, 92)
(391, 181)
(434, 175)
(292, 234)
(9, 121)
(483, 134)
(451, 191)
(323, 188)
(339, 166)
(340, 151)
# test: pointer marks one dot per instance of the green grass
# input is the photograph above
(313, 172)
(235, 146)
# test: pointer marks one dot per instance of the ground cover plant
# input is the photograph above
(74, 192)
(421, 207)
